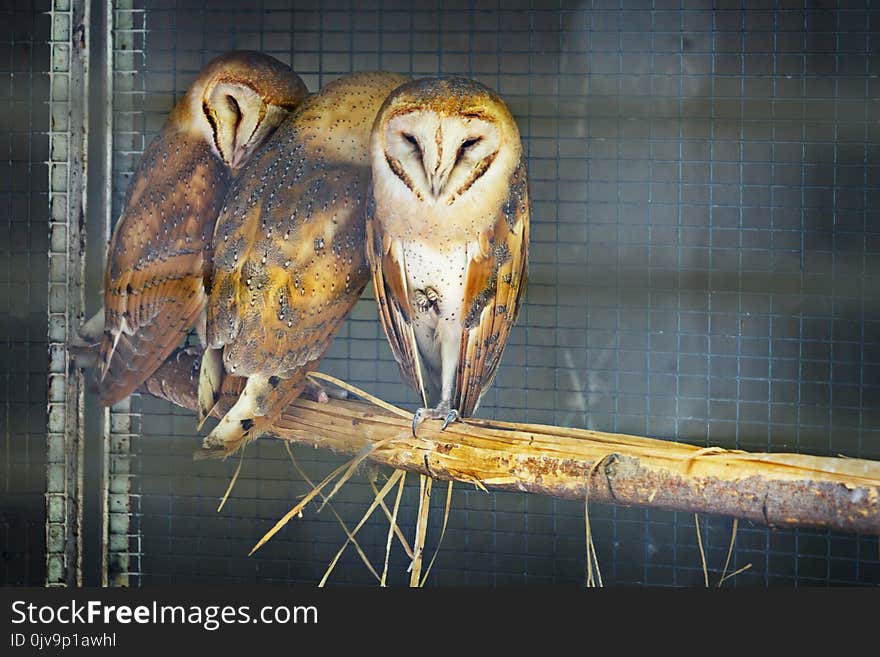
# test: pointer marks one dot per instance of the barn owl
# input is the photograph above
(289, 260)
(153, 279)
(447, 237)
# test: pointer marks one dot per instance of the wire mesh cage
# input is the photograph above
(705, 195)
(24, 198)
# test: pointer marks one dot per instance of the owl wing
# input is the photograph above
(286, 275)
(494, 288)
(153, 283)
(390, 288)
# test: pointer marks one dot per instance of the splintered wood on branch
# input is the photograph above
(776, 489)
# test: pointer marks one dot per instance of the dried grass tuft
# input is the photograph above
(342, 524)
(380, 496)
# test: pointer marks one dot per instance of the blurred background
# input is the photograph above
(705, 267)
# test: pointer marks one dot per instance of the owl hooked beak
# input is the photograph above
(429, 154)
(438, 181)
(248, 139)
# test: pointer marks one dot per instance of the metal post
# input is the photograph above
(68, 76)
(108, 228)
(121, 538)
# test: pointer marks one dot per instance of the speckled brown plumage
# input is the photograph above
(289, 259)
(160, 248)
(447, 237)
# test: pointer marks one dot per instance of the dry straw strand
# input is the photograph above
(360, 393)
(724, 575)
(729, 550)
(382, 493)
(397, 531)
(735, 573)
(592, 557)
(299, 507)
(425, 484)
(231, 483)
(442, 532)
(352, 466)
(392, 525)
(702, 553)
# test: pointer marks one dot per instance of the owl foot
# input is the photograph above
(315, 392)
(442, 412)
(318, 393)
(426, 298)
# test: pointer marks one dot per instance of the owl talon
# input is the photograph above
(418, 417)
(451, 417)
(442, 412)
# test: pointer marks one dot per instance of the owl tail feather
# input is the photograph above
(261, 402)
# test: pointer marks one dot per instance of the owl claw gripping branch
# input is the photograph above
(442, 412)
(447, 238)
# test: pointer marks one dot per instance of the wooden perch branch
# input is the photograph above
(776, 489)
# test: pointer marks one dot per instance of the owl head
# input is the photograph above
(440, 139)
(237, 101)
